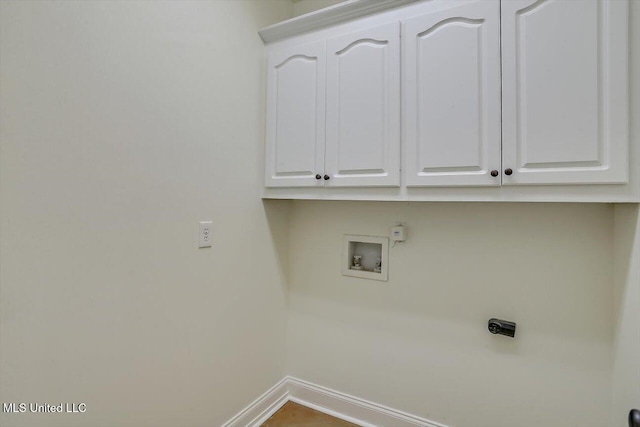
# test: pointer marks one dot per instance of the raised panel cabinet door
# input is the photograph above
(451, 97)
(294, 149)
(363, 108)
(565, 91)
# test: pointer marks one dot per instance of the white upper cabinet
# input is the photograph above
(454, 100)
(565, 91)
(294, 149)
(363, 108)
(451, 97)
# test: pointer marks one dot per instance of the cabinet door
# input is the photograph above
(565, 100)
(451, 96)
(363, 108)
(294, 150)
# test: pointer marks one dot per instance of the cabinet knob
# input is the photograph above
(634, 418)
(326, 177)
(318, 176)
(494, 173)
(508, 171)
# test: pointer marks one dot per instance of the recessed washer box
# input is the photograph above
(366, 257)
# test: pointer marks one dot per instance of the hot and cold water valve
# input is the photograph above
(502, 327)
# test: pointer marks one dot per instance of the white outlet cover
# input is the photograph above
(205, 234)
(398, 233)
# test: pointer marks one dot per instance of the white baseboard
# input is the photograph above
(263, 407)
(340, 405)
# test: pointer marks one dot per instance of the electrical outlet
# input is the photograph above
(398, 233)
(205, 234)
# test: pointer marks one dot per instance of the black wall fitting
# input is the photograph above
(502, 327)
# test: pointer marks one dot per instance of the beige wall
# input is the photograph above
(124, 124)
(305, 6)
(626, 323)
(420, 343)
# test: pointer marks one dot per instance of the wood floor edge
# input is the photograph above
(331, 402)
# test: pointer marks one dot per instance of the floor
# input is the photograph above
(294, 415)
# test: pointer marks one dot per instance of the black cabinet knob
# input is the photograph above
(326, 177)
(634, 418)
(494, 173)
(318, 176)
(508, 171)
